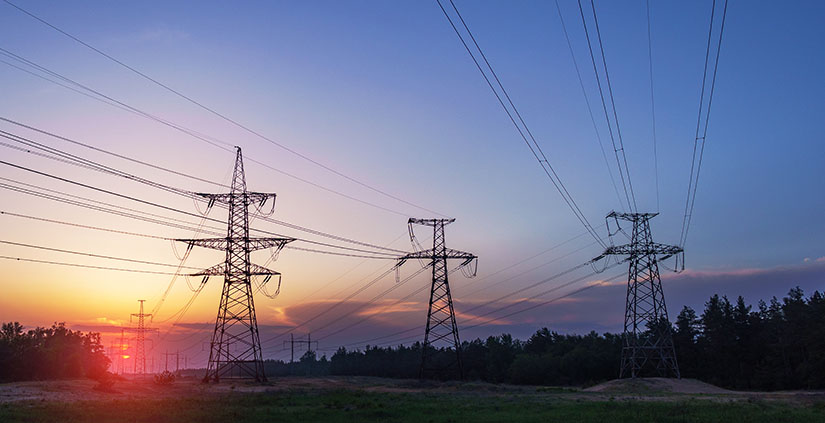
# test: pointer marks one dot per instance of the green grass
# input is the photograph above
(359, 406)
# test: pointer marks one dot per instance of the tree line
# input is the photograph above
(780, 344)
(49, 353)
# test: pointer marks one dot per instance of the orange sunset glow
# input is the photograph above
(344, 209)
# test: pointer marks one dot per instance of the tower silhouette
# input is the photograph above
(235, 348)
(647, 343)
(441, 325)
(140, 339)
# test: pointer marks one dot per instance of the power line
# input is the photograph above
(220, 115)
(652, 102)
(81, 253)
(555, 288)
(616, 148)
(107, 169)
(118, 269)
(110, 153)
(197, 135)
(587, 102)
(531, 286)
(327, 310)
(362, 306)
(381, 295)
(98, 206)
(77, 225)
(522, 261)
(613, 103)
(697, 165)
(210, 219)
(67, 158)
(358, 322)
(472, 308)
(376, 298)
(534, 306)
(31, 192)
(534, 147)
(174, 276)
(489, 302)
(551, 261)
(183, 310)
(544, 303)
(365, 342)
(106, 99)
(526, 300)
(334, 253)
(328, 284)
(97, 228)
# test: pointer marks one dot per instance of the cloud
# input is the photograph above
(106, 320)
(599, 309)
(388, 307)
(102, 329)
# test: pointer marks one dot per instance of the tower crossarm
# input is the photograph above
(220, 270)
(630, 217)
(429, 222)
(644, 249)
(429, 254)
(145, 329)
(252, 197)
(223, 243)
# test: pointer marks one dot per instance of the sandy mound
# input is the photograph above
(657, 384)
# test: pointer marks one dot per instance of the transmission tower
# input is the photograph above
(647, 342)
(235, 348)
(123, 347)
(140, 339)
(292, 343)
(441, 326)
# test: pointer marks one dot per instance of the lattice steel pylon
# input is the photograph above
(441, 325)
(647, 340)
(235, 348)
(140, 339)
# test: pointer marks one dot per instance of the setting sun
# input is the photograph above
(412, 210)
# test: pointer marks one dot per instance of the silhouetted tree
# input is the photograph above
(49, 353)
(778, 345)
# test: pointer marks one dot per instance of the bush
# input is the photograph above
(165, 378)
(105, 382)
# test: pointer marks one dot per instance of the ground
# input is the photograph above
(359, 399)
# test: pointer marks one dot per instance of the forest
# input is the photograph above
(49, 353)
(779, 344)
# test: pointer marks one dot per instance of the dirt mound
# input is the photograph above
(657, 385)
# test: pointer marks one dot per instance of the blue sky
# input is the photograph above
(384, 92)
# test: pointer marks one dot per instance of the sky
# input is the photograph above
(385, 93)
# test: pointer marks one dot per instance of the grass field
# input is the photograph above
(454, 403)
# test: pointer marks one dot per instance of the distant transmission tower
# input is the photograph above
(235, 349)
(123, 348)
(441, 326)
(140, 338)
(647, 341)
(292, 343)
